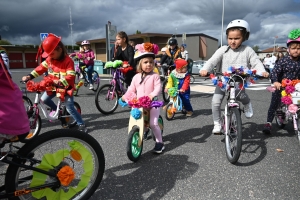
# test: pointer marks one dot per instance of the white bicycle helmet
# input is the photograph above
(239, 23)
(85, 42)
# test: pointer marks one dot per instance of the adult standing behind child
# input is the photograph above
(125, 52)
(60, 69)
(147, 83)
(236, 55)
(288, 67)
(180, 79)
(88, 59)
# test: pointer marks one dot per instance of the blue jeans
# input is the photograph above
(90, 70)
(69, 102)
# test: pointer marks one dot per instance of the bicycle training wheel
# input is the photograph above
(106, 99)
(165, 95)
(75, 160)
(170, 111)
(233, 140)
(134, 151)
(66, 119)
(96, 80)
(279, 117)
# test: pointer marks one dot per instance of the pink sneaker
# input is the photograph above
(51, 115)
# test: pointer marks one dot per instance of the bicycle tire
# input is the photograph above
(165, 95)
(35, 128)
(66, 121)
(84, 183)
(105, 92)
(279, 119)
(168, 114)
(134, 152)
(27, 102)
(96, 80)
(192, 79)
(233, 153)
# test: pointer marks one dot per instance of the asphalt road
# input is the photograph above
(194, 164)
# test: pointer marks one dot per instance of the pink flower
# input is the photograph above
(288, 82)
(286, 100)
(289, 89)
(140, 48)
(155, 48)
(145, 102)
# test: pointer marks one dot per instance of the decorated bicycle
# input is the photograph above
(139, 124)
(235, 79)
(106, 98)
(290, 105)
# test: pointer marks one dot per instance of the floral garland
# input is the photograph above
(288, 88)
(142, 102)
(222, 82)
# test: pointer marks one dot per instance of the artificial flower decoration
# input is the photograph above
(172, 91)
(136, 113)
(283, 93)
(289, 89)
(156, 104)
(294, 34)
(145, 102)
(286, 100)
(134, 103)
(289, 86)
(146, 47)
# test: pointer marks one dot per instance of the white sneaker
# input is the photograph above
(81, 76)
(217, 129)
(91, 87)
(248, 110)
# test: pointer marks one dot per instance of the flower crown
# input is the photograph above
(147, 47)
(294, 34)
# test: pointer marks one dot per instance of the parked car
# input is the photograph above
(197, 66)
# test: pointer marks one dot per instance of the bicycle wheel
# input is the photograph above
(58, 151)
(233, 140)
(161, 126)
(35, 122)
(106, 99)
(96, 80)
(165, 95)
(170, 112)
(27, 102)
(66, 119)
(192, 79)
(279, 117)
(134, 151)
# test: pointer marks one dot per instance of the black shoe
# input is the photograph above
(159, 147)
(82, 128)
(73, 124)
(145, 136)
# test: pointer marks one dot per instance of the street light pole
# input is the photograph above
(222, 25)
(274, 43)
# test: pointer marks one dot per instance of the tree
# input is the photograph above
(4, 42)
(138, 32)
(255, 48)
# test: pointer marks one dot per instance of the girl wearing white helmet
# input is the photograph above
(286, 68)
(88, 59)
(236, 55)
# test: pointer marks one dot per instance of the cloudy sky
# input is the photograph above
(22, 21)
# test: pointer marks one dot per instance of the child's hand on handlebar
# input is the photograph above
(182, 90)
(265, 74)
(203, 72)
(277, 85)
(25, 78)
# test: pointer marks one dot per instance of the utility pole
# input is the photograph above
(71, 24)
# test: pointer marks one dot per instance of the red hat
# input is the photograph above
(180, 63)
(49, 44)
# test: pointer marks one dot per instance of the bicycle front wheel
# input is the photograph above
(192, 79)
(75, 158)
(106, 99)
(233, 139)
(27, 103)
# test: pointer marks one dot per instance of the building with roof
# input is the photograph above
(262, 54)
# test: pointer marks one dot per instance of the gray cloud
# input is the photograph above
(26, 19)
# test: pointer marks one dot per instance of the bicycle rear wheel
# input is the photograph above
(165, 95)
(106, 99)
(233, 140)
(96, 80)
(55, 151)
(192, 79)
(27, 102)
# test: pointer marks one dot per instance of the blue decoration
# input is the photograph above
(249, 72)
(136, 113)
(122, 103)
(215, 81)
(245, 84)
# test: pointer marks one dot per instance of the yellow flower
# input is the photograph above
(283, 93)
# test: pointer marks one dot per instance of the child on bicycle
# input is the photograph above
(147, 83)
(12, 106)
(60, 68)
(88, 60)
(237, 55)
(180, 79)
(288, 67)
(80, 56)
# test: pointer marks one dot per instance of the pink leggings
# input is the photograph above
(153, 122)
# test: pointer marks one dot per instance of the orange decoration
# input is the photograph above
(148, 47)
(66, 175)
(75, 155)
(173, 110)
(294, 82)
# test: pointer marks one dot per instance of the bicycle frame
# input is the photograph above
(117, 76)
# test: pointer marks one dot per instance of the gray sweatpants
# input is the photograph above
(218, 98)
